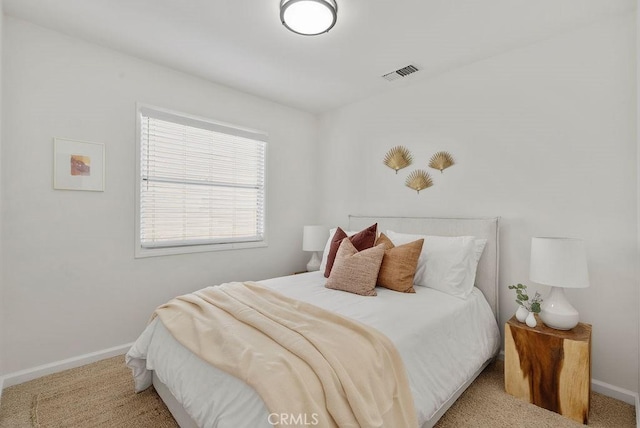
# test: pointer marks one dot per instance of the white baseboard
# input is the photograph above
(609, 390)
(21, 376)
(613, 391)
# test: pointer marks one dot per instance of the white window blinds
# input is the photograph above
(200, 182)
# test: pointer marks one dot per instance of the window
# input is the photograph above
(201, 185)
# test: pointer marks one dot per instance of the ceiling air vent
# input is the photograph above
(402, 72)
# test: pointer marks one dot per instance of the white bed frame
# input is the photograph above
(486, 281)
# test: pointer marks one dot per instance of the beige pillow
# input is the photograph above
(399, 264)
(356, 272)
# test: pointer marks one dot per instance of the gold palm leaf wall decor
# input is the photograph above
(397, 158)
(441, 161)
(419, 180)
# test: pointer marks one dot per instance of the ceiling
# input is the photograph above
(243, 45)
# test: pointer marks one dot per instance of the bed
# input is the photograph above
(449, 341)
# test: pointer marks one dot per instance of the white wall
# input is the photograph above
(1, 205)
(544, 137)
(71, 283)
(638, 172)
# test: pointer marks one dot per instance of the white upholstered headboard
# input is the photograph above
(487, 274)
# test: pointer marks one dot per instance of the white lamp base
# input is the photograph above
(556, 311)
(314, 263)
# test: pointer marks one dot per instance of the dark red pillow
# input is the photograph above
(361, 240)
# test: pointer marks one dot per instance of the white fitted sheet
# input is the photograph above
(443, 341)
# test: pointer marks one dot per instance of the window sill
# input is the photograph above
(169, 251)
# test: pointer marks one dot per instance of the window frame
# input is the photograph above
(140, 250)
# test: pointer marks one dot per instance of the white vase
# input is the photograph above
(531, 320)
(521, 313)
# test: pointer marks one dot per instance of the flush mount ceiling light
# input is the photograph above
(308, 17)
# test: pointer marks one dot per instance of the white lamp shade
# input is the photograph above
(308, 17)
(314, 238)
(559, 262)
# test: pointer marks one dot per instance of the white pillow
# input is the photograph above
(446, 263)
(327, 246)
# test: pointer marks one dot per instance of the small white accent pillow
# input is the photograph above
(327, 246)
(446, 263)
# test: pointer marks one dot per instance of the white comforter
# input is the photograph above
(442, 339)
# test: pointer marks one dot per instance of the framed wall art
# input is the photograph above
(78, 165)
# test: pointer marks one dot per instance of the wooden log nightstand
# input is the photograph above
(549, 368)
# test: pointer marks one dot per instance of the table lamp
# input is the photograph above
(314, 239)
(560, 263)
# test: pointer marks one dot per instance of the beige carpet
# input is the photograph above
(101, 395)
(485, 404)
(96, 395)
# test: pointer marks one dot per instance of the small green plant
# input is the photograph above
(534, 306)
(522, 298)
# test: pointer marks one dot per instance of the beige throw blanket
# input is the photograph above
(305, 362)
